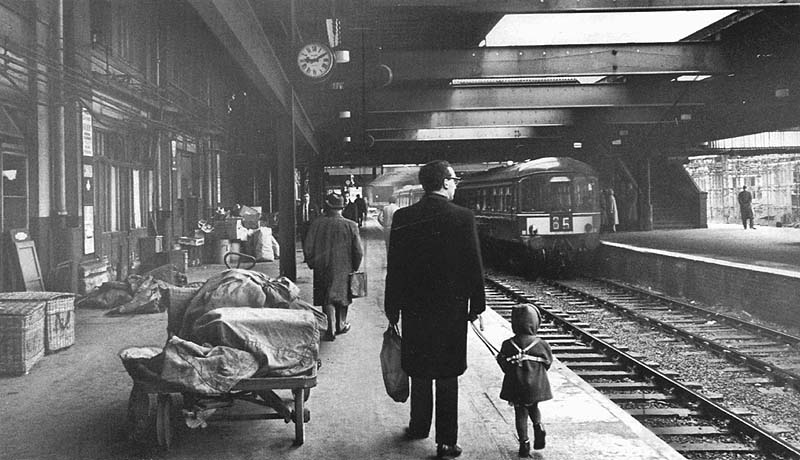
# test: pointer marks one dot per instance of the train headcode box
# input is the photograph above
(561, 222)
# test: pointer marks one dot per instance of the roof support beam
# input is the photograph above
(572, 6)
(530, 97)
(558, 61)
(235, 24)
(467, 134)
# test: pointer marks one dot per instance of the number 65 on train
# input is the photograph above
(540, 216)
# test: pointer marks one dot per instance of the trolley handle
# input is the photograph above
(241, 259)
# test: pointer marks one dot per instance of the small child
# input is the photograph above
(525, 359)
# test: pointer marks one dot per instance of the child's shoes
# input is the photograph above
(525, 448)
(538, 436)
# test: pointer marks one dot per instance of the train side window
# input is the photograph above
(532, 194)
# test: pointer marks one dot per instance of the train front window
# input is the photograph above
(560, 194)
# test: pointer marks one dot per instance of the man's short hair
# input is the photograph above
(392, 199)
(432, 175)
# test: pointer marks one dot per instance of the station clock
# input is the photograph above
(315, 60)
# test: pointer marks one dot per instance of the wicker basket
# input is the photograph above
(59, 320)
(21, 335)
(178, 300)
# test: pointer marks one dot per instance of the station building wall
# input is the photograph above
(146, 132)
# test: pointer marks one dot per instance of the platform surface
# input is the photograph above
(73, 404)
(766, 247)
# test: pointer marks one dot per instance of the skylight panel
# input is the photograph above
(598, 28)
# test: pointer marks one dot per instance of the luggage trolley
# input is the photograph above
(151, 394)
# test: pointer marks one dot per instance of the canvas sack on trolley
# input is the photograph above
(184, 376)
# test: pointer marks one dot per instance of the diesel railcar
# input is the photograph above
(408, 195)
(541, 216)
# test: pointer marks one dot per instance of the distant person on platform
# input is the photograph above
(333, 250)
(385, 219)
(610, 212)
(350, 209)
(746, 207)
(361, 208)
(434, 283)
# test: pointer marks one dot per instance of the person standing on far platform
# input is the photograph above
(746, 207)
(333, 250)
(525, 359)
(434, 280)
(610, 210)
(385, 219)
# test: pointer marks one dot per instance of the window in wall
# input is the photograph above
(14, 190)
(124, 188)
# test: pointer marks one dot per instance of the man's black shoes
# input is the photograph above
(448, 451)
(413, 435)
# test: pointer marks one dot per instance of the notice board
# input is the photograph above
(24, 270)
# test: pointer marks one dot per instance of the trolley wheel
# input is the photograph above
(164, 420)
(239, 259)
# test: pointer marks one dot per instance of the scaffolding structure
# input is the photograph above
(774, 181)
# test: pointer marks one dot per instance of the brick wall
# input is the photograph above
(771, 296)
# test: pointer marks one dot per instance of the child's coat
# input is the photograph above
(525, 359)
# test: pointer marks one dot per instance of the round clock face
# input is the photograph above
(315, 60)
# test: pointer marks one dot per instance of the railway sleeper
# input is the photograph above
(689, 430)
(684, 447)
(639, 397)
(662, 412)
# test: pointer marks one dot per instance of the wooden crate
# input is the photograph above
(59, 319)
(21, 335)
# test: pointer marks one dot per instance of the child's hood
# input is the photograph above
(525, 319)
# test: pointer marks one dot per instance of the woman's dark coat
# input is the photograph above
(332, 249)
(434, 278)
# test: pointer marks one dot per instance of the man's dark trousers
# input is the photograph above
(446, 408)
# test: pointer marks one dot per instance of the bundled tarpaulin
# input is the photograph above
(283, 342)
(203, 369)
(245, 288)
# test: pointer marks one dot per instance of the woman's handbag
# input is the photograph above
(358, 284)
(395, 378)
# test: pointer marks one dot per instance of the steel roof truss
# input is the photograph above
(550, 61)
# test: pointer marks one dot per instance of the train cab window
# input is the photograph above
(560, 194)
(586, 192)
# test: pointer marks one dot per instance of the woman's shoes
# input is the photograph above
(538, 436)
(344, 329)
(525, 448)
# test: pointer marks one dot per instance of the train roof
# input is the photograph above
(531, 167)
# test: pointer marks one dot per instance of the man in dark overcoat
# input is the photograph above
(434, 280)
(745, 199)
(333, 250)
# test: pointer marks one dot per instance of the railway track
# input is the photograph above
(761, 349)
(694, 422)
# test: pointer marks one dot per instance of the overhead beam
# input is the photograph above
(467, 134)
(236, 25)
(557, 61)
(573, 6)
(530, 97)
(528, 118)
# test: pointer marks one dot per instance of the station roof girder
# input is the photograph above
(236, 25)
(556, 61)
(575, 6)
